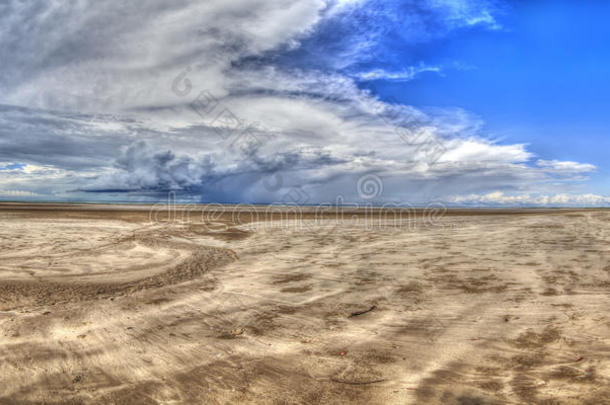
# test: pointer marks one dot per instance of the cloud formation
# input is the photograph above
(214, 103)
(544, 200)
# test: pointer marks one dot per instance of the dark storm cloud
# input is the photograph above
(47, 138)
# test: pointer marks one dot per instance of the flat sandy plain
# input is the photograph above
(101, 305)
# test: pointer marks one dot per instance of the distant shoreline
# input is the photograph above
(122, 206)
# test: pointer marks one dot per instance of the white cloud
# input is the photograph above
(568, 167)
(96, 57)
(477, 150)
(404, 75)
(17, 194)
(558, 200)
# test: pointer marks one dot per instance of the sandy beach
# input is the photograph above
(112, 305)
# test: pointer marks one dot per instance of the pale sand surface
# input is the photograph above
(100, 306)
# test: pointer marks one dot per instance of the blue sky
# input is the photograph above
(463, 102)
(543, 79)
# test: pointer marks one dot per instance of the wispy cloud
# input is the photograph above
(468, 12)
(406, 74)
(566, 167)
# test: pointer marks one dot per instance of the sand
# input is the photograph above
(101, 305)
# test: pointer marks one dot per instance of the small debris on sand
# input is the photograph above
(358, 313)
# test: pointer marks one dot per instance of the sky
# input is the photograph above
(413, 102)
